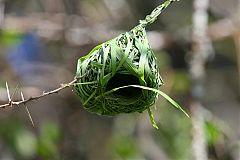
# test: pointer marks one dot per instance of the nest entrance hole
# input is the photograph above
(119, 80)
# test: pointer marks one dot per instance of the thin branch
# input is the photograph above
(44, 94)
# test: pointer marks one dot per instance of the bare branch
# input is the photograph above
(44, 94)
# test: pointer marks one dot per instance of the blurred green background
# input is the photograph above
(41, 41)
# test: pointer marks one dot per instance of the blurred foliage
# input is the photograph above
(225, 49)
(182, 83)
(163, 60)
(24, 144)
(124, 148)
(213, 133)
(10, 37)
(48, 141)
(174, 133)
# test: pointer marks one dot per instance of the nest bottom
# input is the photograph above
(124, 100)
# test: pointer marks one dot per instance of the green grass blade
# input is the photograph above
(83, 83)
(90, 97)
(164, 95)
(152, 119)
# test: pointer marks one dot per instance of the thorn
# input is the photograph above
(29, 114)
(8, 93)
(22, 96)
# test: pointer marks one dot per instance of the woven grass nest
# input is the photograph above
(121, 75)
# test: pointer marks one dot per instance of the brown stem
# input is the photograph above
(44, 94)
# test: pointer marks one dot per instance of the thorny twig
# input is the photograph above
(44, 94)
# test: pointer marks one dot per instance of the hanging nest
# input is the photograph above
(125, 60)
(121, 75)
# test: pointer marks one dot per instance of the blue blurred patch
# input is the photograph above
(27, 51)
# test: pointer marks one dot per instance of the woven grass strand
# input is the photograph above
(125, 60)
(155, 13)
